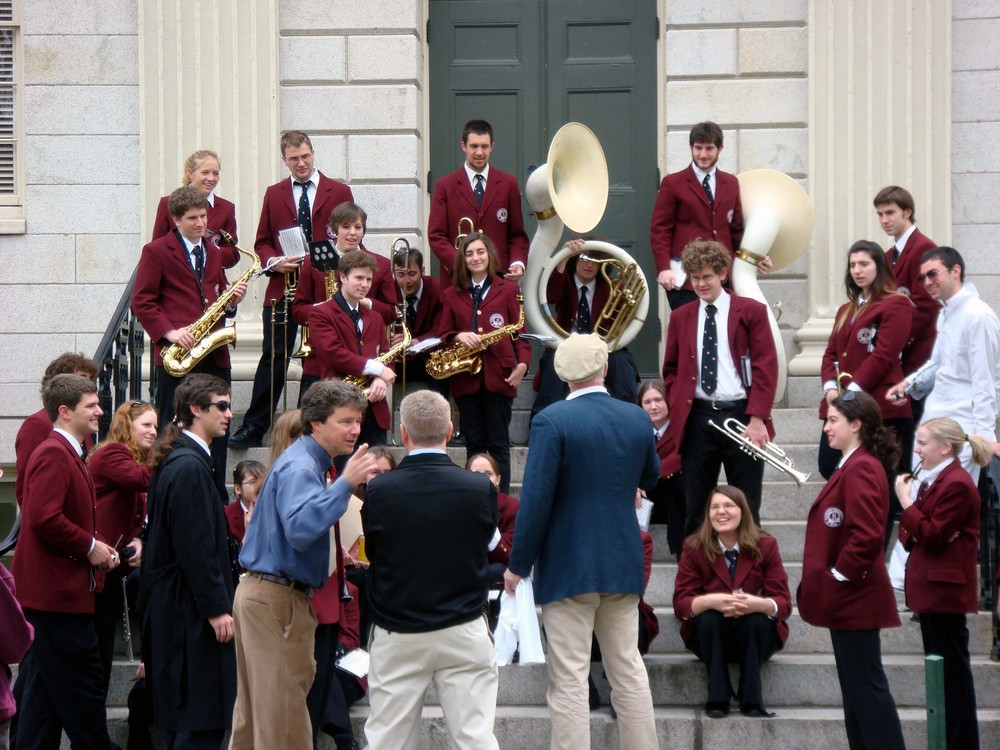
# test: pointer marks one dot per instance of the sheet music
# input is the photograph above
(643, 513)
(680, 275)
(423, 346)
(293, 242)
(354, 662)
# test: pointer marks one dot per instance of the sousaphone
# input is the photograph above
(571, 189)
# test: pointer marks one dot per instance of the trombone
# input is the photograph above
(461, 235)
(770, 454)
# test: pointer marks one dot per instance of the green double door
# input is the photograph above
(529, 67)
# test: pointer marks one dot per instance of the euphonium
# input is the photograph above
(770, 454)
(451, 360)
(364, 381)
(177, 360)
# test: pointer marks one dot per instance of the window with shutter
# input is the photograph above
(11, 114)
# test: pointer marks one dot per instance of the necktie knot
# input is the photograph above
(411, 299)
(303, 185)
(732, 555)
(710, 310)
(355, 316)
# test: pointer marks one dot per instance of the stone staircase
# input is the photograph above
(800, 683)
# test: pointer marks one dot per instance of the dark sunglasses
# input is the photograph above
(221, 405)
(932, 274)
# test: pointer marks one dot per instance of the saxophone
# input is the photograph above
(179, 361)
(451, 360)
(364, 381)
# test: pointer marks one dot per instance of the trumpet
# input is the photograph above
(840, 377)
(771, 454)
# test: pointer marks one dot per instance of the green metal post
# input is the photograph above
(934, 676)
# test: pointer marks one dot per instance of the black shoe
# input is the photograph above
(756, 712)
(457, 442)
(248, 436)
(717, 709)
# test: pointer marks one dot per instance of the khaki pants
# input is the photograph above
(461, 662)
(275, 666)
(614, 619)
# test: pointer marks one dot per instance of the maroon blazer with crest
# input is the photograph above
(499, 218)
(924, 330)
(697, 576)
(499, 309)
(166, 294)
(335, 346)
(121, 484)
(941, 570)
(845, 530)
(562, 292)
(748, 328)
(280, 212)
(876, 371)
(220, 216)
(682, 213)
(58, 525)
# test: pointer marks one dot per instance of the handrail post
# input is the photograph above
(934, 678)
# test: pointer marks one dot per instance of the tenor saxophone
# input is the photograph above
(451, 360)
(178, 360)
(364, 382)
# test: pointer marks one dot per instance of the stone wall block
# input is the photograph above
(384, 58)
(974, 96)
(697, 12)
(973, 199)
(968, 52)
(108, 258)
(313, 58)
(701, 52)
(679, 149)
(348, 15)
(107, 17)
(974, 9)
(782, 50)
(384, 157)
(396, 206)
(38, 259)
(331, 156)
(102, 110)
(973, 147)
(762, 101)
(81, 160)
(62, 59)
(55, 308)
(784, 149)
(348, 108)
(34, 352)
(72, 209)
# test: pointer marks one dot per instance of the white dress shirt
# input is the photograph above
(730, 387)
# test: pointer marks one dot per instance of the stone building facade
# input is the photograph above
(844, 95)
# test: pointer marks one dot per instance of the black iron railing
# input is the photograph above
(989, 546)
(120, 356)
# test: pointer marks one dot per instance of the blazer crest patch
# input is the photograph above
(833, 517)
(496, 320)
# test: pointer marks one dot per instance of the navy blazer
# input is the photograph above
(577, 523)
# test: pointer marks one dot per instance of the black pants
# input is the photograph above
(268, 382)
(166, 385)
(869, 711)
(749, 641)
(63, 687)
(333, 692)
(209, 739)
(705, 451)
(669, 508)
(486, 425)
(948, 637)
(108, 609)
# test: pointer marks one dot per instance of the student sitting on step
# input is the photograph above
(732, 595)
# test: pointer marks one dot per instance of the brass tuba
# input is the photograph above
(177, 360)
(571, 189)
(777, 222)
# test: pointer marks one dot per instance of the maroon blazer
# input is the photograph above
(428, 309)
(121, 484)
(670, 457)
(924, 330)
(499, 218)
(311, 290)
(748, 334)
(280, 212)
(31, 434)
(682, 213)
(50, 567)
(697, 576)
(166, 293)
(941, 572)
(499, 309)
(335, 345)
(508, 514)
(874, 370)
(220, 216)
(563, 294)
(846, 530)
(236, 519)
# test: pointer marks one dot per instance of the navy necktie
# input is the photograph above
(304, 217)
(921, 491)
(199, 261)
(732, 555)
(477, 299)
(708, 190)
(583, 322)
(411, 311)
(895, 255)
(710, 353)
(479, 190)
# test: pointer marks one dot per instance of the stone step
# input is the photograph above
(678, 679)
(529, 727)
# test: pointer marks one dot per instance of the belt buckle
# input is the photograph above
(715, 405)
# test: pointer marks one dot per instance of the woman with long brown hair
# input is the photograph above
(120, 470)
(732, 597)
(845, 584)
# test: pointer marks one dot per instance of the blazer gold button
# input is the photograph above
(479, 330)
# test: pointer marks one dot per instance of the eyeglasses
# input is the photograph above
(221, 405)
(249, 483)
(932, 274)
